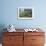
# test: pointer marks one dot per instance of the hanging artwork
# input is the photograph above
(25, 13)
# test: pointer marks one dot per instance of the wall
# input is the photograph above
(9, 13)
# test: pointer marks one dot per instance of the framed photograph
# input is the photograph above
(25, 13)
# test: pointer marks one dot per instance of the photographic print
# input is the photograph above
(25, 13)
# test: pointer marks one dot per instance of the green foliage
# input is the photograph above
(25, 14)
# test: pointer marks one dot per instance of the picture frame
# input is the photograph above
(25, 13)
